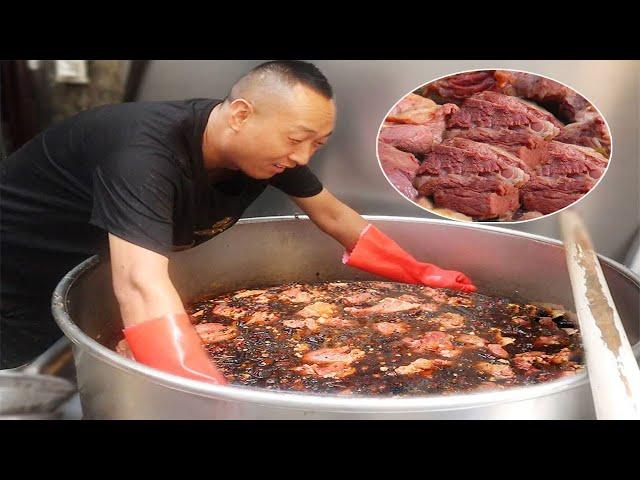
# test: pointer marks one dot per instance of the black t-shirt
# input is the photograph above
(134, 170)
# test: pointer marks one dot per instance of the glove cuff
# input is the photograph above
(378, 254)
(170, 343)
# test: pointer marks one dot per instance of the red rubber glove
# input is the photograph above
(171, 344)
(376, 253)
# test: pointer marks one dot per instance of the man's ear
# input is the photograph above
(240, 110)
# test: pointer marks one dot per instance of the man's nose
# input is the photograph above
(301, 156)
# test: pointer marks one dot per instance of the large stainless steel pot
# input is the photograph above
(273, 250)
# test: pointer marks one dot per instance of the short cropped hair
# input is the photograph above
(291, 72)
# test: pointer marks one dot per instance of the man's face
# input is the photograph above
(282, 132)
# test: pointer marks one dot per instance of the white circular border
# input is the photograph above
(495, 222)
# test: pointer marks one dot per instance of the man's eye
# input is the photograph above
(294, 140)
(320, 144)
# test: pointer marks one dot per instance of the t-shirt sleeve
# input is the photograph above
(133, 197)
(297, 182)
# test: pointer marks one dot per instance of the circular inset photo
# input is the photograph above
(494, 146)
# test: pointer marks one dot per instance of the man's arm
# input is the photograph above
(157, 328)
(333, 217)
(141, 283)
(371, 250)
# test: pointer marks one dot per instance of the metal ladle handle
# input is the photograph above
(47, 363)
(613, 370)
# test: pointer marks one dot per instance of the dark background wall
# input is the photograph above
(33, 98)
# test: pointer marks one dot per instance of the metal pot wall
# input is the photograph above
(275, 250)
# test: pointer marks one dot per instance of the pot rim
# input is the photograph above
(292, 400)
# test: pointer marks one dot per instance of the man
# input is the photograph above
(136, 180)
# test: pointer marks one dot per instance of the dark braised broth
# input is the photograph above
(383, 338)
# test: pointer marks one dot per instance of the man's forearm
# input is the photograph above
(144, 299)
(334, 217)
(346, 227)
(141, 283)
